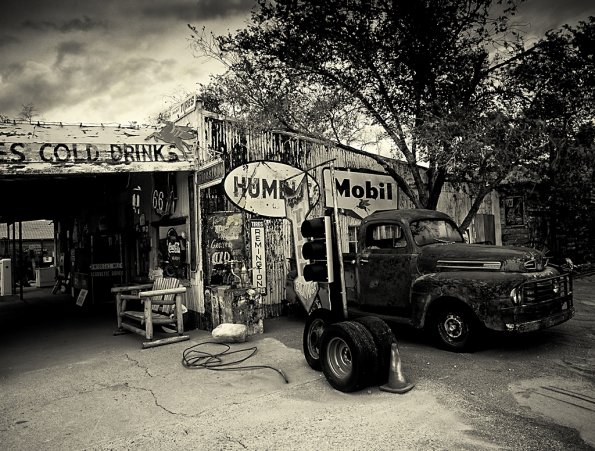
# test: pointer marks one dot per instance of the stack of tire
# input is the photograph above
(352, 354)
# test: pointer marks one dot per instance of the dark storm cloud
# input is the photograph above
(11, 72)
(7, 39)
(199, 9)
(81, 80)
(77, 24)
(105, 60)
(26, 87)
(540, 16)
(69, 48)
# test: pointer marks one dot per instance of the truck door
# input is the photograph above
(384, 270)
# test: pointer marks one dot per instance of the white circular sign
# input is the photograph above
(268, 188)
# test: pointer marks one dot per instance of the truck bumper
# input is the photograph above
(529, 326)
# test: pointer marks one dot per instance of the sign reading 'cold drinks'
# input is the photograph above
(62, 149)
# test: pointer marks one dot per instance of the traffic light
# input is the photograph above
(319, 249)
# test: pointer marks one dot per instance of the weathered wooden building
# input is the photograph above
(235, 172)
(200, 197)
(113, 193)
(529, 217)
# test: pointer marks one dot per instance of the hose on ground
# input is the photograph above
(194, 358)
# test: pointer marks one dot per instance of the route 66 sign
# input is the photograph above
(163, 196)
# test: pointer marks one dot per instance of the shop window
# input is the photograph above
(514, 211)
(352, 233)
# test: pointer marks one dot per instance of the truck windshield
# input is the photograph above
(431, 231)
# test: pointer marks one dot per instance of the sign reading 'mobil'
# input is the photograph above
(362, 193)
(266, 187)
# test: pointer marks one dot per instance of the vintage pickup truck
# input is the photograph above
(415, 265)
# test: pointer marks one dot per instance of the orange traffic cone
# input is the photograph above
(396, 380)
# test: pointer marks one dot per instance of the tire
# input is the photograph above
(313, 329)
(383, 339)
(455, 328)
(349, 357)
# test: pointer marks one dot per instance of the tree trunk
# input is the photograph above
(436, 189)
(483, 192)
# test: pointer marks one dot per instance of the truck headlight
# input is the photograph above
(556, 286)
(569, 264)
(516, 295)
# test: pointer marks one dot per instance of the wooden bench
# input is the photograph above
(161, 304)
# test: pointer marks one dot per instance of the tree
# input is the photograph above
(425, 72)
(278, 100)
(554, 89)
(28, 111)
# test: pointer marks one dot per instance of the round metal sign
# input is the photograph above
(270, 188)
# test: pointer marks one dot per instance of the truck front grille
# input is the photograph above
(546, 289)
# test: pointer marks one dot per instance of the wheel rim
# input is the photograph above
(454, 326)
(316, 330)
(339, 358)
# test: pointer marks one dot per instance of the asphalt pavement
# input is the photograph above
(68, 383)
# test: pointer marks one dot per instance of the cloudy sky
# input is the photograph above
(115, 61)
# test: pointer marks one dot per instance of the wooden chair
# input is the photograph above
(162, 305)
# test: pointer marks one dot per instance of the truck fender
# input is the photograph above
(427, 289)
(483, 292)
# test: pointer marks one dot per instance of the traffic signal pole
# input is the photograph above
(342, 289)
(317, 230)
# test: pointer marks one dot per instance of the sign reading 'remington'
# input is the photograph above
(257, 242)
(60, 149)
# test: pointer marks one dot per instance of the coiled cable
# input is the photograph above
(193, 358)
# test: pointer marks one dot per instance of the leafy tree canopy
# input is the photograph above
(555, 90)
(432, 75)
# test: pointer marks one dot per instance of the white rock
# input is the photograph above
(230, 333)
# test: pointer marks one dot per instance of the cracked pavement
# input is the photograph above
(67, 383)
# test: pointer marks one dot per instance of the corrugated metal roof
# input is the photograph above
(32, 230)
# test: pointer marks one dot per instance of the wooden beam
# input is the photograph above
(165, 341)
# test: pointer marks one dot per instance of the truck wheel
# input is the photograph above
(315, 325)
(383, 339)
(348, 355)
(455, 328)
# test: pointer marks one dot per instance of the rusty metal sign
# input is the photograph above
(361, 193)
(69, 149)
(267, 188)
(258, 251)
